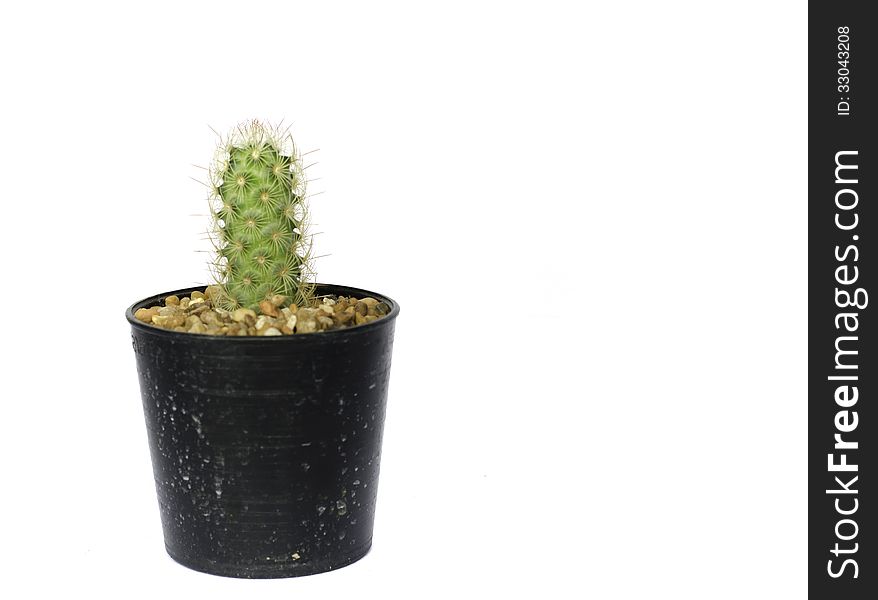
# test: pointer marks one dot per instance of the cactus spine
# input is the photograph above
(262, 246)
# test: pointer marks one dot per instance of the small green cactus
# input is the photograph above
(260, 234)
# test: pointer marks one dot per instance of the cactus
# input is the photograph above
(262, 245)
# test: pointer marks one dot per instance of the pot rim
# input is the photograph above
(327, 288)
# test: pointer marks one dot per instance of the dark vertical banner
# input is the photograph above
(842, 270)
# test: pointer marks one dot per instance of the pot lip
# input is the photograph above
(327, 288)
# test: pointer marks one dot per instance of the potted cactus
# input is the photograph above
(264, 393)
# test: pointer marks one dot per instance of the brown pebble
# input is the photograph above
(168, 321)
(362, 308)
(198, 327)
(146, 314)
(382, 309)
(359, 319)
(208, 317)
(369, 301)
(370, 318)
(192, 320)
(268, 308)
(240, 315)
(172, 300)
(343, 318)
(196, 294)
(307, 313)
(325, 321)
(306, 326)
(272, 331)
(197, 309)
(278, 300)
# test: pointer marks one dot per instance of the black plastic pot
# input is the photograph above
(266, 450)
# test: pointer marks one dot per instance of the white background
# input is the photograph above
(592, 214)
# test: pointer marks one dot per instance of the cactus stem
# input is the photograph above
(258, 207)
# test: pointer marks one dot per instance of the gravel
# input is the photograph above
(196, 314)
